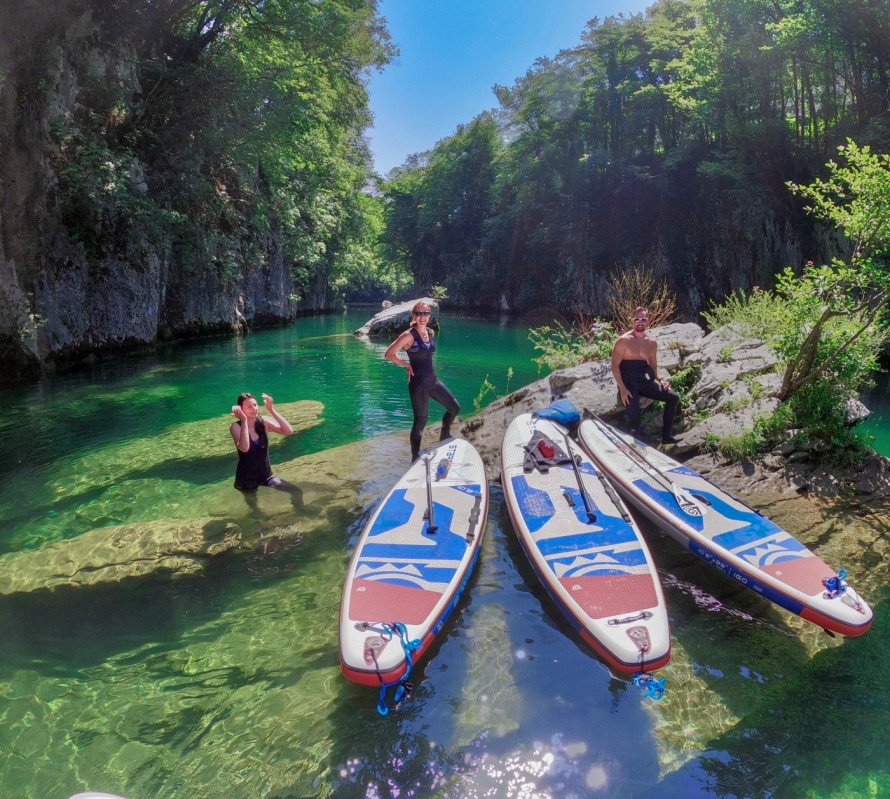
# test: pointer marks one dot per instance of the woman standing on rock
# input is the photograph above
(250, 433)
(423, 383)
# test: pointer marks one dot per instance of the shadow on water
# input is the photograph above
(808, 711)
(816, 729)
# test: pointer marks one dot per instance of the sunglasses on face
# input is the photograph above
(422, 313)
(641, 319)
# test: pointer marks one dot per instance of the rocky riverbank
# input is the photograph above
(736, 380)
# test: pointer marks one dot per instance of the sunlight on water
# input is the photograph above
(188, 649)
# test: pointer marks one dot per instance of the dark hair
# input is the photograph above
(260, 425)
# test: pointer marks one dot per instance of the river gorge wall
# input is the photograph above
(100, 249)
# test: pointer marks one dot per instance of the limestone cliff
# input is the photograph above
(135, 198)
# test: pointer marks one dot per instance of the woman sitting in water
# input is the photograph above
(250, 434)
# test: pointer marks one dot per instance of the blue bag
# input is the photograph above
(562, 412)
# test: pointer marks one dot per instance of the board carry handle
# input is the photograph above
(685, 501)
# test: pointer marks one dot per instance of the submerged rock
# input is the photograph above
(335, 482)
(112, 554)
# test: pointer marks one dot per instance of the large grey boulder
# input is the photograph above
(396, 318)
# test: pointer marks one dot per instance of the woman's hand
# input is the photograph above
(267, 402)
(238, 413)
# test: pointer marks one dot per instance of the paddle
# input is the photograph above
(613, 495)
(686, 502)
(591, 516)
(431, 525)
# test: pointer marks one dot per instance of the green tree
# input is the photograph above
(437, 211)
(855, 197)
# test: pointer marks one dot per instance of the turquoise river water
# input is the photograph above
(224, 684)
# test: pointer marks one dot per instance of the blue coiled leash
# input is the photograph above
(403, 687)
(651, 687)
(835, 586)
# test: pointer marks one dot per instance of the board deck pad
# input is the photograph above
(723, 530)
(401, 571)
(599, 572)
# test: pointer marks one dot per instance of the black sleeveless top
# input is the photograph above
(420, 354)
(253, 466)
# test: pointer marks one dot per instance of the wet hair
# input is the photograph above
(417, 306)
(260, 425)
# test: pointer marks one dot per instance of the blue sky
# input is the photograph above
(454, 51)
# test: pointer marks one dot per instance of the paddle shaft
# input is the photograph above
(633, 452)
(591, 516)
(431, 522)
(613, 495)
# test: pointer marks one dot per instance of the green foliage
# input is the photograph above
(683, 378)
(847, 349)
(657, 139)
(754, 314)
(488, 388)
(436, 213)
(768, 431)
(562, 346)
(238, 142)
(485, 389)
(99, 196)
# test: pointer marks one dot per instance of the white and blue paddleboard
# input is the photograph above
(410, 567)
(725, 532)
(584, 546)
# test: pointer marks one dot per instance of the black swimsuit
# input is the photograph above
(253, 468)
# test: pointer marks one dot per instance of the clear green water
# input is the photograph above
(877, 399)
(226, 683)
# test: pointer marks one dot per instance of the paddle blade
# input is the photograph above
(688, 504)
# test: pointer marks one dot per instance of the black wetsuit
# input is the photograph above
(424, 385)
(640, 381)
(255, 470)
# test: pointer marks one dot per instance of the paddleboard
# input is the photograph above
(91, 795)
(407, 572)
(724, 531)
(587, 551)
